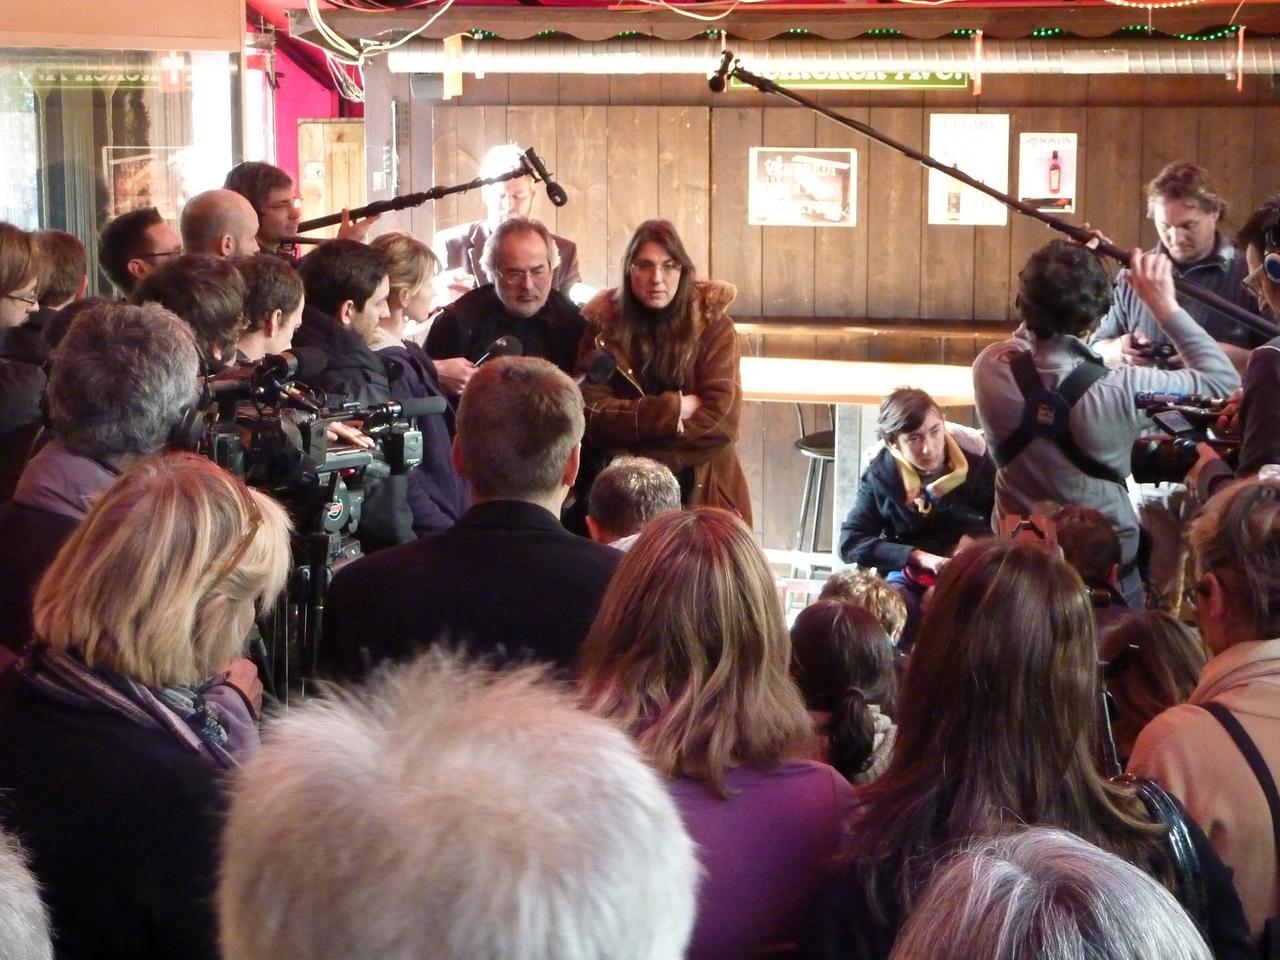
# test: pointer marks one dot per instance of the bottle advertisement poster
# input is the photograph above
(1047, 171)
(977, 144)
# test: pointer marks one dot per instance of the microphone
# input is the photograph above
(415, 407)
(555, 192)
(1144, 399)
(507, 346)
(296, 364)
(718, 80)
(599, 366)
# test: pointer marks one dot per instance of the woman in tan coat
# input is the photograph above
(676, 396)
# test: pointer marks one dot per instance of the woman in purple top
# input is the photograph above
(690, 654)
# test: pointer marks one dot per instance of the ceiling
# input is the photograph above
(596, 20)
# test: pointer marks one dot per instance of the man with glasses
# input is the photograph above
(134, 244)
(270, 191)
(522, 302)
(461, 248)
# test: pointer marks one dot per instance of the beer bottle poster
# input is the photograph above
(978, 144)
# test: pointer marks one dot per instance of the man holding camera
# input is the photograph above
(1061, 424)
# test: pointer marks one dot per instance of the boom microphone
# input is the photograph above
(507, 346)
(555, 192)
(718, 80)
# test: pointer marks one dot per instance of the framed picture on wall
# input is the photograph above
(803, 187)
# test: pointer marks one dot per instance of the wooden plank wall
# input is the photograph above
(628, 148)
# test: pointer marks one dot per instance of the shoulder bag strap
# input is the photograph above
(1258, 765)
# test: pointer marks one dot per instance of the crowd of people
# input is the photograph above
(562, 711)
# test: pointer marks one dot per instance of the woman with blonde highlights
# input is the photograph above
(999, 730)
(690, 655)
(437, 495)
(123, 717)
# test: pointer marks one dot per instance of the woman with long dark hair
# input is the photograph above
(675, 396)
(999, 731)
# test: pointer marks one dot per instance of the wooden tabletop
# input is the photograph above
(851, 381)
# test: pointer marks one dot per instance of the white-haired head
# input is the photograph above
(453, 812)
(24, 922)
(1046, 894)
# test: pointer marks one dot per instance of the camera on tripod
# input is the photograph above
(1184, 420)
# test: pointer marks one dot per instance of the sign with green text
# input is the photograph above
(866, 80)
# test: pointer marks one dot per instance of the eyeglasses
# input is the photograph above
(255, 523)
(158, 254)
(29, 301)
(294, 203)
(668, 267)
(514, 276)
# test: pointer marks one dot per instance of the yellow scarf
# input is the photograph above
(922, 498)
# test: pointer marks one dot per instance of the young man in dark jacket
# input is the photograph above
(931, 486)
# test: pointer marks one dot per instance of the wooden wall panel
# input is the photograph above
(582, 168)
(633, 162)
(1111, 197)
(1219, 151)
(787, 272)
(946, 258)
(735, 247)
(895, 214)
(840, 256)
(684, 178)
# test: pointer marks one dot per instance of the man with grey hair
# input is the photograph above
(24, 921)
(123, 385)
(220, 222)
(625, 496)
(508, 580)
(461, 248)
(455, 813)
(521, 302)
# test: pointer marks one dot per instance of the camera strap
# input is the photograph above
(1046, 414)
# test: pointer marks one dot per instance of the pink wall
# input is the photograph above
(300, 97)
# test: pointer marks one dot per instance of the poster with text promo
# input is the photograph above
(977, 144)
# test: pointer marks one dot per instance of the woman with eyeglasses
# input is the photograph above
(998, 729)
(122, 721)
(675, 396)
(20, 379)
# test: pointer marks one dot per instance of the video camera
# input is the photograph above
(1185, 420)
(277, 434)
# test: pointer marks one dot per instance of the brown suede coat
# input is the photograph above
(622, 419)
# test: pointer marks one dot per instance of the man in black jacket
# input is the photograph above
(521, 302)
(346, 287)
(926, 490)
(508, 580)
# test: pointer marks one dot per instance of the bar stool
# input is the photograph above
(819, 448)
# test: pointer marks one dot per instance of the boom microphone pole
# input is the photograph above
(530, 166)
(1210, 299)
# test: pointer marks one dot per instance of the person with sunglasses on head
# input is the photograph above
(676, 396)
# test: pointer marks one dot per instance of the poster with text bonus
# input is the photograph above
(1047, 171)
(978, 144)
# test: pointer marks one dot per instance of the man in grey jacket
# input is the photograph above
(1063, 291)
